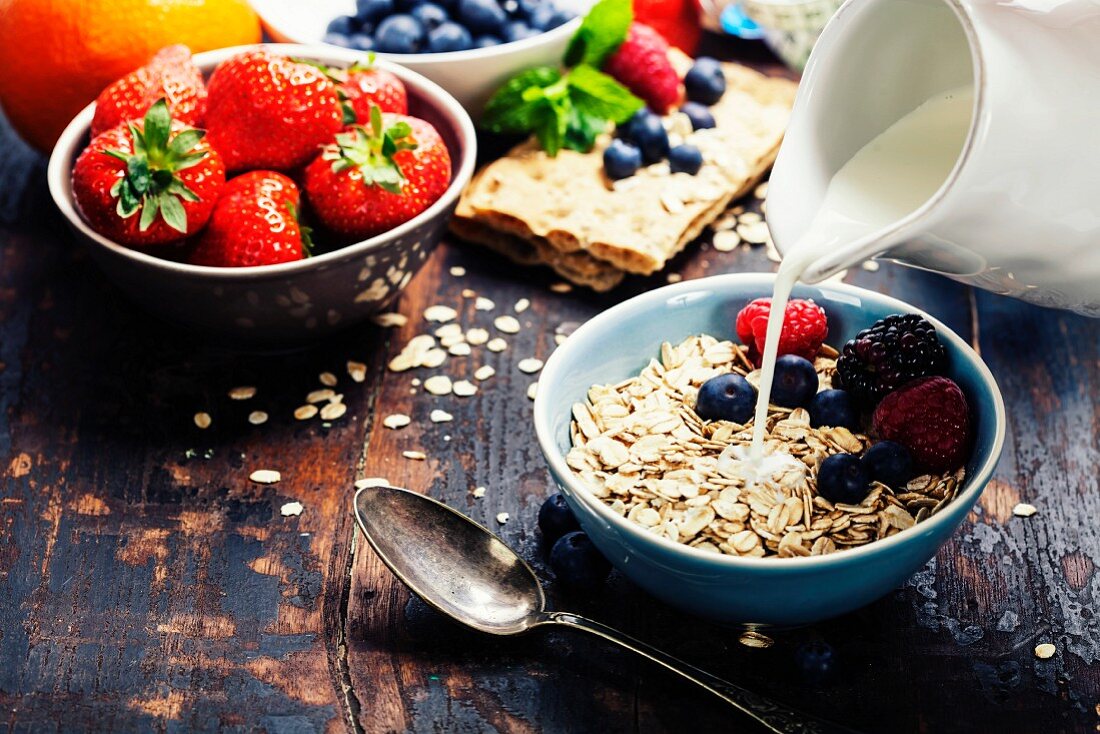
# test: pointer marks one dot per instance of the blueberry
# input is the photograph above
(842, 478)
(511, 7)
(449, 36)
(577, 563)
(889, 463)
(527, 8)
(699, 114)
(517, 30)
(646, 130)
(361, 41)
(406, 6)
(430, 15)
(621, 159)
(556, 519)
(481, 16)
(343, 25)
(726, 397)
(399, 34)
(705, 82)
(685, 159)
(795, 381)
(336, 39)
(833, 408)
(546, 17)
(815, 661)
(486, 41)
(373, 10)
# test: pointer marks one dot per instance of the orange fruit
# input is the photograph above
(57, 55)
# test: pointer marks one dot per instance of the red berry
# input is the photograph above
(255, 222)
(676, 20)
(148, 182)
(804, 328)
(642, 64)
(266, 111)
(929, 416)
(377, 176)
(365, 86)
(170, 75)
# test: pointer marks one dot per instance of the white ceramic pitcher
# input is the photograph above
(1020, 212)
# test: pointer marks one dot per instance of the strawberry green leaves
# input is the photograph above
(569, 109)
(150, 184)
(371, 151)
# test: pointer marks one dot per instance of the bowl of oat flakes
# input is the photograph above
(655, 477)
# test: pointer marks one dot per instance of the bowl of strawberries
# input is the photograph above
(264, 195)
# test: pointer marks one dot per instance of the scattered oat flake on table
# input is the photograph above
(468, 293)
(414, 455)
(521, 305)
(750, 218)
(438, 385)
(1024, 510)
(441, 416)
(458, 271)
(333, 411)
(561, 287)
(675, 277)
(530, 365)
(755, 639)
(484, 372)
(503, 517)
(440, 314)
(1045, 650)
(507, 324)
(327, 379)
(484, 304)
(320, 396)
(761, 191)
(755, 233)
(372, 482)
(244, 392)
(478, 492)
(532, 390)
(726, 241)
(496, 345)
(465, 388)
(461, 349)
(448, 331)
(257, 417)
(305, 412)
(433, 358)
(559, 339)
(357, 371)
(397, 420)
(265, 476)
(477, 337)
(203, 420)
(390, 320)
(291, 509)
(870, 265)
(413, 353)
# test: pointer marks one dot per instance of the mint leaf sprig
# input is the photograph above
(570, 107)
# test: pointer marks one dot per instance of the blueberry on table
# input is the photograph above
(517, 30)
(727, 397)
(482, 16)
(373, 10)
(705, 82)
(399, 34)
(842, 478)
(430, 15)
(556, 519)
(795, 381)
(343, 25)
(577, 563)
(449, 36)
(699, 114)
(486, 42)
(361, 42)
(685, 159)
(890, 463)
(647, 131)
(815, 661)
(833, 408)
(621, 159)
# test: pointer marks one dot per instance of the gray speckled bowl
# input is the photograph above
(290, 303)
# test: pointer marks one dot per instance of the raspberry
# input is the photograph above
(892, 352)
(642, 65)
(804, 328)
(929, 416)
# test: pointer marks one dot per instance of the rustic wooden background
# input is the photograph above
(147, 585)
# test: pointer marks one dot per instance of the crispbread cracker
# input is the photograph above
(563, 212)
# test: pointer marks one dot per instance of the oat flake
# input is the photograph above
(390, 320)
(320, 396)
(265, 476)
(257, 417)
(440, 314)
(462, 349)
(1045, 651)
(397, 420)
(242, 393)
(465, 388)
(438, 385)
(507, 324)
(532, 390)
(327, 379)
(414, 455)
(521, 305)
(484, 372)
(478, 492)
(496, 345)
(371, 482)
(203, 420)
(333, 411)
(305, 412)
(503, 517)
(477, 337)
(1024, 510)
(357, 371)
(441, 416)
(291, 509)
(458, 271)
(530, 365)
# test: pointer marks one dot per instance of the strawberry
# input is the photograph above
(363, 86)
(373, 178)
(641, 64)
(170, 75)
(804, 328)
(161, 168)
(255, 222)
(268, 111)
(929, 416)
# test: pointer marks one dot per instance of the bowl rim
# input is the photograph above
(63, 156)
(974, 484)
(430, 59)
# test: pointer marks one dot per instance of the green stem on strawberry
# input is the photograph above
(371, 151)
(150, 184)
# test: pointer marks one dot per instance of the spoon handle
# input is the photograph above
(774, 716)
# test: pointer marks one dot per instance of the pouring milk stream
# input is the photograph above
(888, 178)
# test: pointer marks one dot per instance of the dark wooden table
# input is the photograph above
(147, 585)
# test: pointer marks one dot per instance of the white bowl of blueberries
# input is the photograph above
(468, 47)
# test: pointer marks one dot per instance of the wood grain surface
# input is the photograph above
(147, 585)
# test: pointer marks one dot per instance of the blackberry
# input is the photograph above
(892, 352)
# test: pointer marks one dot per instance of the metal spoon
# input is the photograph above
(467, 573)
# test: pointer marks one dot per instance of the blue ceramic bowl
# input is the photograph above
(763, 591)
